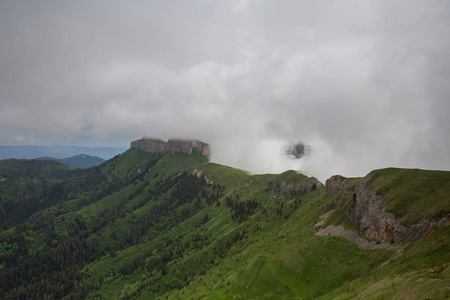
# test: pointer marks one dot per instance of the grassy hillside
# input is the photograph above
(174, 226)
(412, 193)
(80, 161)
(33, 168)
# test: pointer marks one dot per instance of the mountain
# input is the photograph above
(60, 152)
(34, 168)
(173, 145)
(172, 225)
(78, 161)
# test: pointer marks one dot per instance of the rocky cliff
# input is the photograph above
(374, 221)
(172, 145)
(367, 209)
(335, 184)
(187, 146)
(288, 188)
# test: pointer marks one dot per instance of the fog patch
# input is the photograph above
(297, 150)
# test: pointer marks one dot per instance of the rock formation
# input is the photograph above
(368, 212)
(285, 188)
(335, 184)
(187, 146)
(373, 219)
(310, 185)
(198, 174)
(429, 226)
(149, 145)
(172, 145)
(365, 210)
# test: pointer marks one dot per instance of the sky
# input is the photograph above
(365, 84)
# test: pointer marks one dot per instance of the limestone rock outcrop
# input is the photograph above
(172, 145)
(149, 145)
(367, 210)
(429, 226)
(335, 184)
(187, 146)
(374, 221)
(286, 188)
(310, 185)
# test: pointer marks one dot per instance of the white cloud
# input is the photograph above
(363, 83)
(20, 138)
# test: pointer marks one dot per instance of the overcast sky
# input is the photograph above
(366, 84)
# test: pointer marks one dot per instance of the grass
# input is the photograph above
(128, 161)
(273, 253)
(179, 161)
(285, 260)
(410, 285)
(412, 193)
(227, 176)
(31, 168)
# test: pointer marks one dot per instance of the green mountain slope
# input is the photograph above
(174, 226)
(413, 194)
(78, 161)
(32, 168)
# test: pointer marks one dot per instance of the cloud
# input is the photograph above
(18, 137)
(365, 84)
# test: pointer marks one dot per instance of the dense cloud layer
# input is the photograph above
(364, 83)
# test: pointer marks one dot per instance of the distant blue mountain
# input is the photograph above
(60, 152)
(78, 161)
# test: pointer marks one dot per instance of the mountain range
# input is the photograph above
(77, 161)
(160, 221)
(58, 152)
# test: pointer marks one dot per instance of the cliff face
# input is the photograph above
(286, 188)
(335, 184)
(187, 146)
(367, 210)
(172, 145)
(148, 145)
(374, 221)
